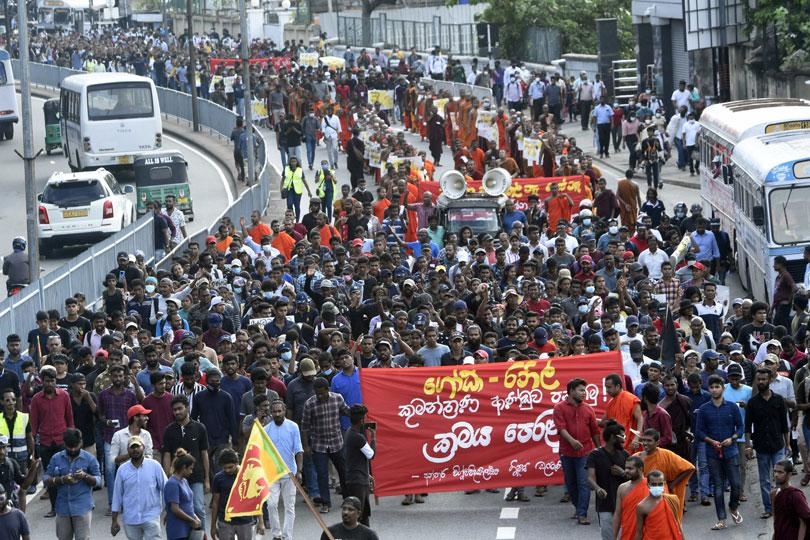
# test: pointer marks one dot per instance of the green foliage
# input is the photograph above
(576, 21)
(787, 19)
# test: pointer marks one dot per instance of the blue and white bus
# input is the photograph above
(8, 97)
(771, 195)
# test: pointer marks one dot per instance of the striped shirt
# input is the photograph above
(179, 390)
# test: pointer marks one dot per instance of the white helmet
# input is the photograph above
(585, 213)
(586, 203)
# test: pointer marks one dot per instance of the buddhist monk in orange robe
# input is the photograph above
(624, 407)
(629, 495)
(676, 469)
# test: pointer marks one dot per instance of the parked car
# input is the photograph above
(82, 208)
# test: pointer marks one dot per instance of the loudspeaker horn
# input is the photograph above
(496, 182)
(453, 184)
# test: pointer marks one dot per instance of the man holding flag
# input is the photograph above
(287, 439)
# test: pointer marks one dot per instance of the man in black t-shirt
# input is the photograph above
(193, 438)
(606, 473)
(358, 453)
(350, 528)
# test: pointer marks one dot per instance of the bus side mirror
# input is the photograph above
(129, 189)
(39, 197)
(728, 174)
(758, 214)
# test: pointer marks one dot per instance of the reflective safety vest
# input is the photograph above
(294, 180)
(320, 182)
(19, 448)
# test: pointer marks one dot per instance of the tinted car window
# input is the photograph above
(73, 193)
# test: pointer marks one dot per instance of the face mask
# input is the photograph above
(267, 248)
(692, 121)
(286, 356)
(590, 289)
(213, 388)
(268, 295)
(615, 105)
(347, 279)
(656, 491)
(586, 222)
(325, 167)
(150, 289)
(613, 230)
(583, 309)
(237, 290)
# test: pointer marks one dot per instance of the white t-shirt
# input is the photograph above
(653, 261)
(681, 98)
(690, 133)
(118, 445)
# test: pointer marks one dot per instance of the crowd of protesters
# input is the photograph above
(277, 321)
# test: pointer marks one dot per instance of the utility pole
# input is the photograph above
(28, 156)
(192, 67)
(251, 176)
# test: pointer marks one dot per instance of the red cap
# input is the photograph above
(210, 239)
(482, 353)
(136, 410)
(628, 255)
(102, 352)
(357, 242)
(699, 265)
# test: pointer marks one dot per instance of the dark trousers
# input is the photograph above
(693, 157)
(537, 109)
(616, 131)
(781, 315)
(603, 131)
(556, 110)
(322, 460)
(585, 113)
(651, 168)
(239, 160)
(361, 491)
(632, 142)
(45, 453)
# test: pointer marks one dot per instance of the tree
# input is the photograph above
(368, 8)
(576, 22)
(786, 22)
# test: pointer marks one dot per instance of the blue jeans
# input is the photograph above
(109, 471)
(722, 470)
(321, 460)
(282, 150)
(576, 483)
(311, 477)
(310, 143)
(294, 202)
(198, 489)
(765, 463)
(699, 481)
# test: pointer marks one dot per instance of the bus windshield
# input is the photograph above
(788, 209)
(118, 101)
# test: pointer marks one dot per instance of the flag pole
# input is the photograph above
(311, 507)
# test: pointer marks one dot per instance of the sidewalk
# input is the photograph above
(618, 162)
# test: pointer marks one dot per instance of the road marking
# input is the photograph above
(211, 162)
(509, 513)
(506, 533)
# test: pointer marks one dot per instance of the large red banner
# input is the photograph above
(277, 61)
(578, 187)
(475, 426)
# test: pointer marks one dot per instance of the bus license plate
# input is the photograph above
(124, 160)
(75, 213)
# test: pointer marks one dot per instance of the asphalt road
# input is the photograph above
(483, 516)
(209, 186)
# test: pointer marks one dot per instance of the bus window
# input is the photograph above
(3, 76)
(788, 215)
(114, 101)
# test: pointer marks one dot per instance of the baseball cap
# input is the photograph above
(214, 318)
(735, 348)
(301, 298)
(122, 255)
(698, 265)
(357, 242)
(737, 302)
(210, 239)
(773, 342)
(632, 320)
(636, 349)
(135, 440)
(409, 282)
(482, 353)
(468, 360)
(457, 335)
(691, 352)
(540, 336)
(308, 367)
(459, 304)
(734, 369)
(136, 410)
(771, 359)
(327, 283)
(586, 258)
(3, 440)
(420, 320)
(383, 342)
(217, 300)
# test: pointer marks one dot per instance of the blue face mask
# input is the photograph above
(237, 290)
(586, 222)
(286, 356)
(656, 491)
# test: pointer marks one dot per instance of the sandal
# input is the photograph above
(765, 515)
(408, 500)
(566, 498)
(743, 498)
(736, 516)
(693, 497)
(806, 479)
(540, 491)
(719, 526)
(583, 521)
(418, 499)
(522, 497)
(511, 495)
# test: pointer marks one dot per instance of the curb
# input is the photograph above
(664, 180)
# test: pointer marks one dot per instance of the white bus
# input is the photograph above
(8, 97)
(771, 195)
(724, 125)
(108, 118)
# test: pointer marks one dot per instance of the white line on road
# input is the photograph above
(506, 533)
(509, 513)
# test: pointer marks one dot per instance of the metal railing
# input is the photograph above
(424, 35)
(85, 272)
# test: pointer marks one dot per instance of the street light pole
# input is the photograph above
(192, 67)
(251, 177)
(28, 156)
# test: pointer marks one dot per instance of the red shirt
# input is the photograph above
(50, 417)
(274, 383)
(580, 422)
(160, 417)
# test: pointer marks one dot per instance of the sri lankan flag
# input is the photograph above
(262, 466)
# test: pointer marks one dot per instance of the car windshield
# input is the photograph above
(79, 193)
(478, 219)
(788, 215)
(159, 175)
(117, 101)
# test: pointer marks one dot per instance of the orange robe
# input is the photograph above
(380, 207)
(285, 244)
(327, 232)
(671, 464)
(413, 218)
(451, 122)
(627, 194)
(629, 504)
(664, 520)
(620, 409)
(558, 208)
(259, 231)
(503, 144)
